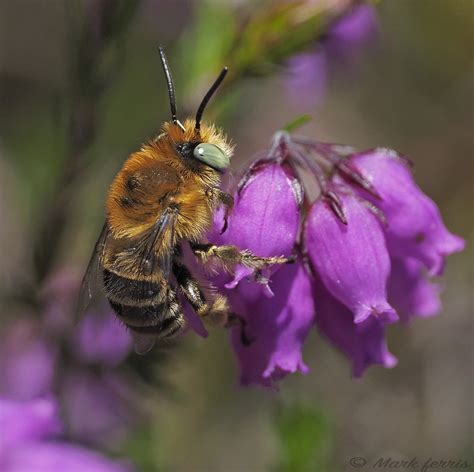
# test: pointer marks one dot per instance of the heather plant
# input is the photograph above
(367, 246)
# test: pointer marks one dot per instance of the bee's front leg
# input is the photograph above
(224, 199)
(230, 256)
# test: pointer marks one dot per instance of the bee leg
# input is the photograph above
(230, 256)
(225, 199)
(216, 312)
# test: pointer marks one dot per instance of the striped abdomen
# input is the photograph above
(144, 306)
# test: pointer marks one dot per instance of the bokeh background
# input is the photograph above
(65, 132)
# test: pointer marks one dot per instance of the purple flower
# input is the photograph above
(351, 257)
(27, 361)
(32, 420)
(307, 81)
(358, 251)
(30, 442)
(363, 343)
(101, 338)
(106, 397)
(87, 375)
(276, 326)
(414, 225)
(268, 199)
(351, 32)
(410, 291)
(277, 315)
(308, 72)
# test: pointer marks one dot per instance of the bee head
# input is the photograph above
(195, 140)
(209, 145)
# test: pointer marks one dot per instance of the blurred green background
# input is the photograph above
(411, 90)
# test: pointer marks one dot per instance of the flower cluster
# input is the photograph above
(340, 47)
(365, 244)
(30, 441)
(45, 353)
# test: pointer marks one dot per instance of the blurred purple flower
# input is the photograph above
(30, 442)
(101, 338)
(340, 46)
(48, 352)
(107, 398)
(307, 82)
(27, 361)
(359, 251)
(351, 32)
(32, 420)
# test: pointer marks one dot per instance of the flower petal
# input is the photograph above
(410, 292)
(265, 217)
(363, 343)
(352, 259)
(277, 326)
(415, 227)
(32, 420)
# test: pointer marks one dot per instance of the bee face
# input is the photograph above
(209, 146)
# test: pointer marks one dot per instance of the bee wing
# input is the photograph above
(142, 343)
(92, 282)
(159, 240)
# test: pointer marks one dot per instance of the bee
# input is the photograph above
(165, 196)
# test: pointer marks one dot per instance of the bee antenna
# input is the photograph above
(208, 96)
(169, 81)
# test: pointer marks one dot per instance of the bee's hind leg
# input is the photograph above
(230, 256)
(218, 313)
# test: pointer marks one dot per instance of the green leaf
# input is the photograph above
(297, 122)
(304, 437)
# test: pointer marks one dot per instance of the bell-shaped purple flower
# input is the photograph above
(276, 327)
(363, 343)
(351, 259)
(265, 217)
(265, 220)
(414, 225)
(410, 292)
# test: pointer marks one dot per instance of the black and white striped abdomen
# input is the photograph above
(144, 306)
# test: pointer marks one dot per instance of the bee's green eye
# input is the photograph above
(212, 155)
